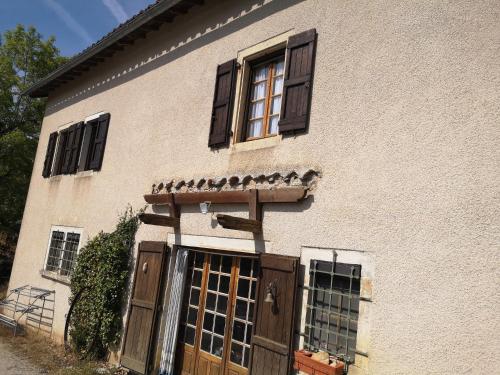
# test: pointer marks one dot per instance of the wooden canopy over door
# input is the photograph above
(274, 323)
(143, 306)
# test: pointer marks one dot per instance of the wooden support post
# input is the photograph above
(254, 206)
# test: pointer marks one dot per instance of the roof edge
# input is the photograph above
(125, 29)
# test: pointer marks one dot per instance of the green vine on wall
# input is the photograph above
(101, 272)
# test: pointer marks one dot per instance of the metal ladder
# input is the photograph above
(35, 304)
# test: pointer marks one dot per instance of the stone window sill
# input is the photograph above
(55, 277)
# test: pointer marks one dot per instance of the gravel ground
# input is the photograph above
(12, 364)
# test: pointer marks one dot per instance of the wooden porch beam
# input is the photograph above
(161, 220)
(239, 223)
(286, 195)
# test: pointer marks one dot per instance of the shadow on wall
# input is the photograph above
(217, 26)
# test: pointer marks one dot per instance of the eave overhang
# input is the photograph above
(163, 11)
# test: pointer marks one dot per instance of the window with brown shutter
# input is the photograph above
(264, 98)
(49, 155)
(97, 143)
(297, 89)
(222, 109)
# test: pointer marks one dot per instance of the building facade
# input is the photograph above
(347, 160)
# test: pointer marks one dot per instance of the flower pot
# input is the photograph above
(304, 362)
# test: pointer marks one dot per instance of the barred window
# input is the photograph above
(63, 250)
(333, 308)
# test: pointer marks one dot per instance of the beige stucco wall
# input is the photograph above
(404, 128)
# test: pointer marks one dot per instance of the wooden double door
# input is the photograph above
(218, 315)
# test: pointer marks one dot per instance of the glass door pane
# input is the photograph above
(243, 312)
(192, 295)
(216, 302)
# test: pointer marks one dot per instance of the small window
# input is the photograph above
(333, 308)
(63, 250)
(264, 98)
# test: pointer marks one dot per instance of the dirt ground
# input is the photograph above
(31, 354)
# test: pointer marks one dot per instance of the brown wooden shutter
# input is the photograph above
(222, 110)
(61, 149)
(274, 325)
(67, 149)
(75, 148)
(49, 156)
(99, 142)
(297, 86)
(87, 130)
(144, 303)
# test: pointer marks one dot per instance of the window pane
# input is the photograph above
(210, 303)
(280, 65)
(215, 262)
(249, 334)
(276, 105)
(198, 260)
(224, 284)
(260, 73)
(255, 271)
(250, 311)
(278, 86)
(243, 286)
(212, 282)
(273, 124)
(247, 354)
(189, 335)
(217, 346)
(254, 285)
(195, 297)
(257, 109)
(197, 278)
(245, 266)
(192, 314)
(227, 263)
(255, 128)
(205, 342)
(208, 321)
(220, 325)
(241, 309)
(236, 353)
(259, 90)
(238, 331)
(56, 245)
(222, 304)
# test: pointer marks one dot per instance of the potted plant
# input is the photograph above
(317, 363)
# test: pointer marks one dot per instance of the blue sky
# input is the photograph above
(76, 24)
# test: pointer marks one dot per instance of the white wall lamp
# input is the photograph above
(205, 207)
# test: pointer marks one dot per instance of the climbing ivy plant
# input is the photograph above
(98, 289)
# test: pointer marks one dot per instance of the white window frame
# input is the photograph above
(65, 230)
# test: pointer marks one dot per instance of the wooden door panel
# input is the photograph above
(273, 329)
(143, 305)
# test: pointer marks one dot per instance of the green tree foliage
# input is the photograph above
(101, 273)
(24, 59)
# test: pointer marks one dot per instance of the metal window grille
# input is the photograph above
(333, 308)
(62, 252)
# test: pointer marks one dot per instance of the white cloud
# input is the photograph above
(116, 10)
(70, 22)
